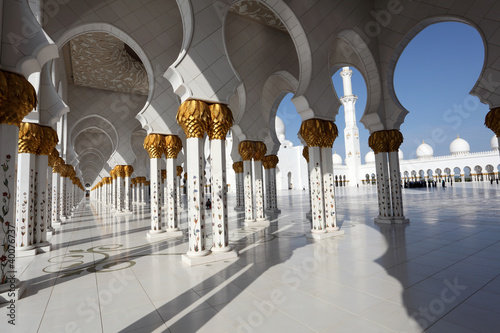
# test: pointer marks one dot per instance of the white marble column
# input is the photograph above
(273, 192)
(9, 136)
(196, 197)
(25, 208)
(156, 196)
(383, 188)
(329, 189)
(142, 192)
(41, 204)
(50, 229)
(238, 175)
(248, 191)
(128, 196)
(56, 197)
(259, 191)
(120, 189)
(270, 162)
(316, 185)
(219, 195)
(396, 195)
(171, 195)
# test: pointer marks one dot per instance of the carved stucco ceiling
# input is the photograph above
(99, 60)
(259, 12)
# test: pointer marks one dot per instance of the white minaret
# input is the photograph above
(351, 133)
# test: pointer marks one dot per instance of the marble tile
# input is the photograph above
(104, 276)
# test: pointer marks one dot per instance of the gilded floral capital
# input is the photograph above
(330, 133)
(179, 170)
(312, 131)
(492, 121)
(49, 141)
(17, 98)
(173, 145)
(395, 140)
(120, 171)
(247, 150)
(155, 145)
(260, 150)
(305, 153)
(270, 161)
(238, 167)
(129, 170)
(193, 116)
(30, 138)
(221, 120)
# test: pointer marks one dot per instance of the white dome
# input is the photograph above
(400, 154)
(279, 126)
(424, 150)
(337, 159)
(459, 146)
(494, 143)
(370, 157)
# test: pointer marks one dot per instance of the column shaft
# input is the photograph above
(219, 196)
(383, 189)
(248, 190)
(25, 217)
(329, 188)
(171, 195)
(156, 195)
(196, 198)
(316, 185)
(259, 192)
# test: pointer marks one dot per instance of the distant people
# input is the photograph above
(497, 181)
(209, 204)
(443, 183)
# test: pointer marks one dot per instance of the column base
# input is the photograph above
(174, 232)
(154, 234)
(326, 234)
(57, 224)
(18, 287)
(123, 213)
(383, 220)
(209, 257)
(402, 220)
(43, 247)
(26, 251)
(256, 223)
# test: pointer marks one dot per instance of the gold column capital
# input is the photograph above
(133, 181)
(247, 150)
(395, 140)
(155, 145)
(173, 145)
(331, 132)
(179, 170)
(221, 120)
(311, 131)
(305, 153)
(30, 138)
(17, 98)
(492, 121)
(260, 150)
(385, 141)
(238, 167)
(193, 116)
(49, 141)
(129, 170)
(270, 161)
(113, 174)
(120, 171)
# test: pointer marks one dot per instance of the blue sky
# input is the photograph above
(433, 78)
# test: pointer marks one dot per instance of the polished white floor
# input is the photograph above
(439, 273)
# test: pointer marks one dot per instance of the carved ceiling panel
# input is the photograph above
(99, 60)
(259, 12)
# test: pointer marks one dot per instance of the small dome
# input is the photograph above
(279, 126)
(337, 159)
(459, 147)
(424, 150)
(494, 143)
(370, 157)
(400, 154)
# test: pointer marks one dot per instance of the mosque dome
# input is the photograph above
(370, 157)
(494, 143)
(424, 150)
(459, 147)
(400, 154)
(279, 127)
(337, 159)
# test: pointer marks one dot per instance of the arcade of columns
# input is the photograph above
(48, 198)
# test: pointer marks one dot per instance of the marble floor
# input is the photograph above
(439, 273)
